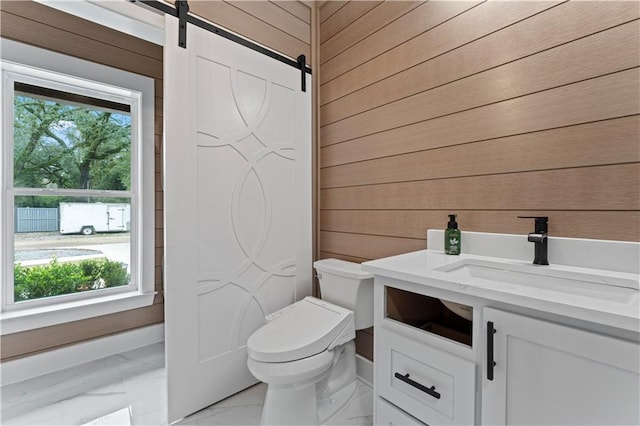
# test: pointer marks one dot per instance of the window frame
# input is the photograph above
(44, 68)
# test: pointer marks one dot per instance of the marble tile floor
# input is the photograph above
(129, 389)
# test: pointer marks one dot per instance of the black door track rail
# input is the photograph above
(181, 11)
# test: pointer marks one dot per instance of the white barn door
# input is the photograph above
(237, 199)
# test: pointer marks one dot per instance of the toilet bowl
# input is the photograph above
(306, 354)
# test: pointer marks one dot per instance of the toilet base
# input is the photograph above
(303, 408)
(337, 388)
(284, 405)
(312, 400)
(329, 408)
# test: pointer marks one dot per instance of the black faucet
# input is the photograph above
(539, 238)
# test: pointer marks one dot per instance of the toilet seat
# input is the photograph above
(277, 373)
(306, 328)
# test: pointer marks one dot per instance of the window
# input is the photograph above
(77, 189)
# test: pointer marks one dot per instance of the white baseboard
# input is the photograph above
(364, 370)
(59, 359)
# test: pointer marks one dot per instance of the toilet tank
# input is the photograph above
(346, 284)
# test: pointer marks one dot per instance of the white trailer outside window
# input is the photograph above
(89, 218)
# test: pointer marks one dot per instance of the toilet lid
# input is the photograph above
(309, 327)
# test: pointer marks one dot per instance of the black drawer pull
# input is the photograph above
(490, 361)
(431, 391)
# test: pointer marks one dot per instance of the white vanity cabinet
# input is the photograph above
(487, 338)
(546, 373)
(430, 370)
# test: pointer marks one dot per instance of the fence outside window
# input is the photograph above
(36, 219)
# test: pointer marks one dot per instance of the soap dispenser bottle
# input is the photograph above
(452, 240)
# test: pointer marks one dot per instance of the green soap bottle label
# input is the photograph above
(452, 241)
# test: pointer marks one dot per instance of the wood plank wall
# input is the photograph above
(485, 109)
(32, 23)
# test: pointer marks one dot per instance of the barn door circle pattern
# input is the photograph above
(245, 212)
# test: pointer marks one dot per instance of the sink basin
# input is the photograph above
(596, 285)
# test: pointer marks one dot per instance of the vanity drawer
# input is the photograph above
(390, 415)
(431, 385)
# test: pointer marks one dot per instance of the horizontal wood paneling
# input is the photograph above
(327, 255)
(587, 188)
(328, 8)
(365, 25)
(575, 146)
(587, 58)
(297, 9)
(158, 88)
(616, 225)
(68, 22)
(464, 28)
(32, 23)
(277, 17)
(360, 247)
(240, 18)
(489, 110)
(494, 50)
(344, 17)
(606, 97)
(42, 34)
(410, 25)
(368, 246)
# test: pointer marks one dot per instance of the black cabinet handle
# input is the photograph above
(490, 362)
(431, 391)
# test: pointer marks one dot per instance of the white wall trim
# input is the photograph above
(69, 356)
(121, 15)
(364, 370)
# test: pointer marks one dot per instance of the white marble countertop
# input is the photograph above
(421, 267)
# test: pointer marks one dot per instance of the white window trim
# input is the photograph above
(144, 253)
(12, 73)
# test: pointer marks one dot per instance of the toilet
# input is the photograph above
(305, 353)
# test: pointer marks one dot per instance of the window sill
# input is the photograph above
(29, 319)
